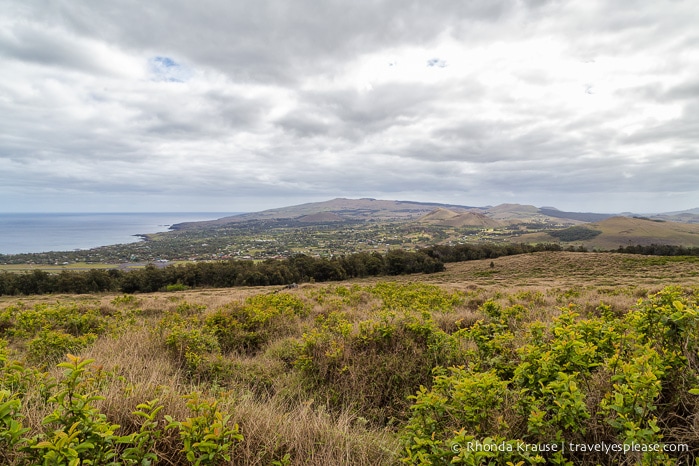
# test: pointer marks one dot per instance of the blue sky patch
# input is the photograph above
(432, 62)
(167, 69)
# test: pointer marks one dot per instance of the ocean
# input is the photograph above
(41, 232)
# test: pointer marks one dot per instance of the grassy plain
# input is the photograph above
(286, 386)
(53, 268)
(629, 231)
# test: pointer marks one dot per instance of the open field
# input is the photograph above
(54, 268)
(76, 266)
(322, 373)
(628, 231)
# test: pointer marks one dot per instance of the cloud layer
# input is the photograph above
(123, 106)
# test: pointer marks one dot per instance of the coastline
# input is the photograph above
(36, 233)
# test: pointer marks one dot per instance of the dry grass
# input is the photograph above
(277, 417)
(310, 434)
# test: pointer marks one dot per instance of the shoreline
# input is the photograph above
(43, 233)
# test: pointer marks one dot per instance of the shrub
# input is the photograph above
(51, 346)
(11, 430)
(416, 296)
(82, 435)
(126, 300)
(190, 345)
(208, 436)
(72, 319)
(459, 401)
(246, 328)
(364, 365)
(141, 445)
(620, 379)
(175, 287)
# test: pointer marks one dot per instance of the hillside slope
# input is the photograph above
(629, 231)
(450, 218)
(348, 209)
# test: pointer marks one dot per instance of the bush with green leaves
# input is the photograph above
(246, 327)
(73, 319)
(11, 429)
(494, 338)
(78, 433)
(208, 436)
(127, 300)
(188, 341)
(605, 378)
(416, 297)
(51, 346)
(50, 331)
(140, 446)
(175, 287)
(200, 341)
(375, 364)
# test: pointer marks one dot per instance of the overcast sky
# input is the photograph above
(231, 105)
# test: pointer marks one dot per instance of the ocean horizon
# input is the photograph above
(68, 231)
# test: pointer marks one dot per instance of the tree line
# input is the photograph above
(298, 268)
(660, 250)
(469, 252)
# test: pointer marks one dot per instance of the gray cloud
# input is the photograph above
(208, 105)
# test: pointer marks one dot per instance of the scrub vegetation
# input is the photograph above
(524, 359)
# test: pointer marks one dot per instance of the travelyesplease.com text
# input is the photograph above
(603, 447)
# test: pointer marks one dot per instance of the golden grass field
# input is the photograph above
(629, 231)
(276, 414)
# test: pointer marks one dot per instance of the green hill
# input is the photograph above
(627, 231)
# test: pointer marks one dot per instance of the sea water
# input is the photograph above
(41, 232)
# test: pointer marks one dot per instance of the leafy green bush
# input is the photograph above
(126, 300)
(365, 365)
(81, 434)
(141, 445)
(208, 436)
(23, 323)
(458, 402)
(246, 328)
(620, 379)
(416, 296)
(11, 430)
(77, 433)
(188, 343)
(175, 287)
(51, 346)
(188, 309)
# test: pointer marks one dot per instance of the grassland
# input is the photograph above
(321, 374)
(629, 231)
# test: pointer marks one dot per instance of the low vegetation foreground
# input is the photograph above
(547, 358)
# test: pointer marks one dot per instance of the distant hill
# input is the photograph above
(627, 231)
(343, 209)
(511, 211)
(522, 213)
(624, 231)
(580, 216)
(684, 216)
(446, 217)
(321, 217)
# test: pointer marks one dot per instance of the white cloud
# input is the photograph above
(584, 102)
